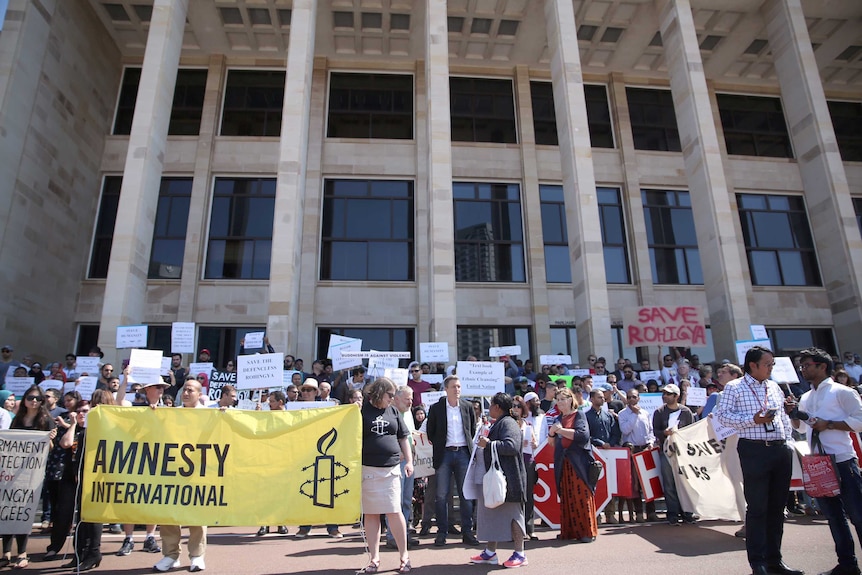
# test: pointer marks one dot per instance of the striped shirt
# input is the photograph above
(745, 397)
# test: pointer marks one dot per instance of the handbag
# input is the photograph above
(818, 472)
(494, 482)
(594, 470)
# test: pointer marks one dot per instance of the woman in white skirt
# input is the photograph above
(506, 522)
(385, 441)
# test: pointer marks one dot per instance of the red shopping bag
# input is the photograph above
(818, 472)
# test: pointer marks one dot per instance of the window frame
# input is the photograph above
(857, 208)
(839, 139)
(95, 235)
(753, 134)
(224, 87)
(684, 247)
(181, 69)
(667, 130)
(372, 73)
(171, 210)
(500, 332)
(515, 126)
(590, 124)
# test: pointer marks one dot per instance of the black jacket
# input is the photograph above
(437, 424)
(509, 439)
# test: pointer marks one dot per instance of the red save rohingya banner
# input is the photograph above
(648, 470)
(659, 325)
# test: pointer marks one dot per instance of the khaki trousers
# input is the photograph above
(171, 541)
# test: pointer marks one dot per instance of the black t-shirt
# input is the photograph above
(381, 430)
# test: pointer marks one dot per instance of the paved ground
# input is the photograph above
(708, 548)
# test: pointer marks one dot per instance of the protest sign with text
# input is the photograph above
(660, 325)
(130, 336)
(182, 337)
(742, 348)
(423, 464)
(86, 364)
(337, 346)
(259, 371)
(145, 366)
(18, 385)
(481, 377)
(504, 350)
(556, 360)
(23, 455)
(437, 351)
(253, 340)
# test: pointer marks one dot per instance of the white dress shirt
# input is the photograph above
(833, 402)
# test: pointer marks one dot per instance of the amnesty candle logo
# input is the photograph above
(321, 489)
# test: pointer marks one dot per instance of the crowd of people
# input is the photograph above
(577, 410)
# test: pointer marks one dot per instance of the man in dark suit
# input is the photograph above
(451, 426)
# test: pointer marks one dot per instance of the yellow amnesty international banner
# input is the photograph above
(211, 467)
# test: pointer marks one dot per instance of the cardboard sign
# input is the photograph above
(437, 351)
(182, 337)
(429, 398)
(784, 371)
(556, 360)
(481, 377)
(253, 340)
(51, 384)
(145, 366)
(21, 483)
(398, 376)
(650, 402)
(660, 325)
(504, 350)
(166, 366)
(645, 376)
(759, 332)
(423, 460)
(742, 348)
(259, 371)
(86, 386)
(336, 352)
(87, 364)
(18, 385)
(695, 396)
(434, 379)
(130, 336)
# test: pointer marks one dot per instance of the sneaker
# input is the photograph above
(302, 533)
(126, 549)
(689, 518)
(166, 564)
(483, 557)
(262, 531)
(282, 529)
(150, 545)
(842, 570)
(515, 561)
(197, 564)
(335, 533)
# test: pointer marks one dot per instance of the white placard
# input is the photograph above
(51, 384)
(18, 385)
(743, 346)
(650, 402)
(335, 340)
(758, 332)
(398, 376)
(183, 337)
(434, 351)
(429, 398)
(645, 376)
(87, 364)
(259, 371)
(504, 350)
(579, 372)
(131, 336)
(145, 366)
(201, 367)
(599, 379)
(721, 431)
(481, 377)
(376, 354)
(555, 359)
(337, 350)
(433, 378)
(253, 340)
(695, 396)
(379, 363)
(166, 366)
(247, 404)
(86, 386)
(783, 371)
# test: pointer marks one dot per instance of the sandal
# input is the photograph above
(405, 567)
(21, 562)
(372, 567)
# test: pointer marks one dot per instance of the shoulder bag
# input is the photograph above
(818, 471)
(494, 482)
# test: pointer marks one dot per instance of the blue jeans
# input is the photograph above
(453, 461)
(846, 506)
(668, 485)
(406, 500)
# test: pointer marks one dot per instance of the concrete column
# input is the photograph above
(592, 315)
(421, 203)
(284, 276)
(827, 194)
(126, 286)
(724, 271)
(441, 237)
(531, 202)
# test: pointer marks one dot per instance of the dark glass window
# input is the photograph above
(377, 338)
(778, 240)
(788, 341)
(159, 337)
(653, 120)
(557, 262)
(545, 119)
(370, 106)
(169, 234)
(473, 340)
(240, 239)
(253, 102)
(847, 122)
(754, 126)
(564, 340)
(104, 235)
(489, 244)
(367, 230)
(482, 110)
(88, 338)
(187, 106)
(671, 236)
(223, 342)
(857, 207)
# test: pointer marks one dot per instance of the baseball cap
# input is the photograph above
(671, 388)
(7, 348)
(206, 351)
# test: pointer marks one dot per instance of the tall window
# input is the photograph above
(159, 337)
(367, 230)
(545, 118)
(253, 102)
(477, 341)
(754, 126)
(671, 236)
(847, 122)
(653, 119)
(788, 341)
(489, 244)
(188, 103)
(240, 239)
(377, 338)
(88, 338)
(778, 240)
(482, 110)
(564, 340)
(223, 342)
(104, 235)
(557, 262)
(370, 106)
(857, 207)
(169, 235)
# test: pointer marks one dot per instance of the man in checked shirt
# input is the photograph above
(754, 406)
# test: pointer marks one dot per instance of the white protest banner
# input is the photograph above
(166, 366)
(783, 371)
(579, 372)
(695, 396)
(86, 364)
(504, 350)
(423, 461)
(24, 455)
(702, 482)
(434, 379)
(429, 398)
(205, 367)
(434, 351)
(398, 376)
(645, 376)
(481, 377)
(556, 360)
(720, 430)
(253, 340)
(51, 384)
(259, 371)
(758, 332)
(376, 354)
(131, 336)
(86, 386)
(336, 351)
(660, 325)
(650, 402)
(183, 337)
(379, 362)
(18, 385)
(648, 469)
(743, 346)
(145, 366)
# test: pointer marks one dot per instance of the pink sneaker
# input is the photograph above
(515, 561)
(485, 558)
